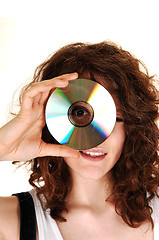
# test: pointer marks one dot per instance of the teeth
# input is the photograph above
(94, 154)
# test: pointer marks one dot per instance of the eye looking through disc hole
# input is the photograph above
(80, 114)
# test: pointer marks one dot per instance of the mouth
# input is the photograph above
(93, 154)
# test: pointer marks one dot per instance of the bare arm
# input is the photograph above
(9, 218)
(20, 140)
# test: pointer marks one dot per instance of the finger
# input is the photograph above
(37, 99)
(57, 150)
(36, 92)
(68, 76)
(63, 79)
(60, 81)
(44, 98)
(45, 86)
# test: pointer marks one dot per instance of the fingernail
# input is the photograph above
(76, 74)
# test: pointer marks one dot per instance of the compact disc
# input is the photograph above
(81, 115)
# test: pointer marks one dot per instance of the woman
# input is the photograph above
(76, 197)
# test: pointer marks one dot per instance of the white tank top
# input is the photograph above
(48, 228)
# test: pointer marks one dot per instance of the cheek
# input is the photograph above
(116, 141)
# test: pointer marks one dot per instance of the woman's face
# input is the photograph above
(96, 162)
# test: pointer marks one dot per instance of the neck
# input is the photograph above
(89, 192)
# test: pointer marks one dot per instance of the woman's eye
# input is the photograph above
(80, 112)
(118, 119)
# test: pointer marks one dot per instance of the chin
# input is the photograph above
(92, 173)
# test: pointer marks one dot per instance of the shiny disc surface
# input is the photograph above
(82, 115)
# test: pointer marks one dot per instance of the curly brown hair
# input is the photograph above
(136, 174)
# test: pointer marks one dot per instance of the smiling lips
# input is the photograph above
(93, 154)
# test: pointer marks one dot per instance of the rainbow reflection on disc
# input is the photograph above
(81, 115)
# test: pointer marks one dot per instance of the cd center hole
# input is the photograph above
(80, 114)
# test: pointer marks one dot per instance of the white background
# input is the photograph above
(31, 30)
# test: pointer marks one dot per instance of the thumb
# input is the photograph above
(48, 149)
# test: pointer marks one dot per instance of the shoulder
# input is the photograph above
(9, 218)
